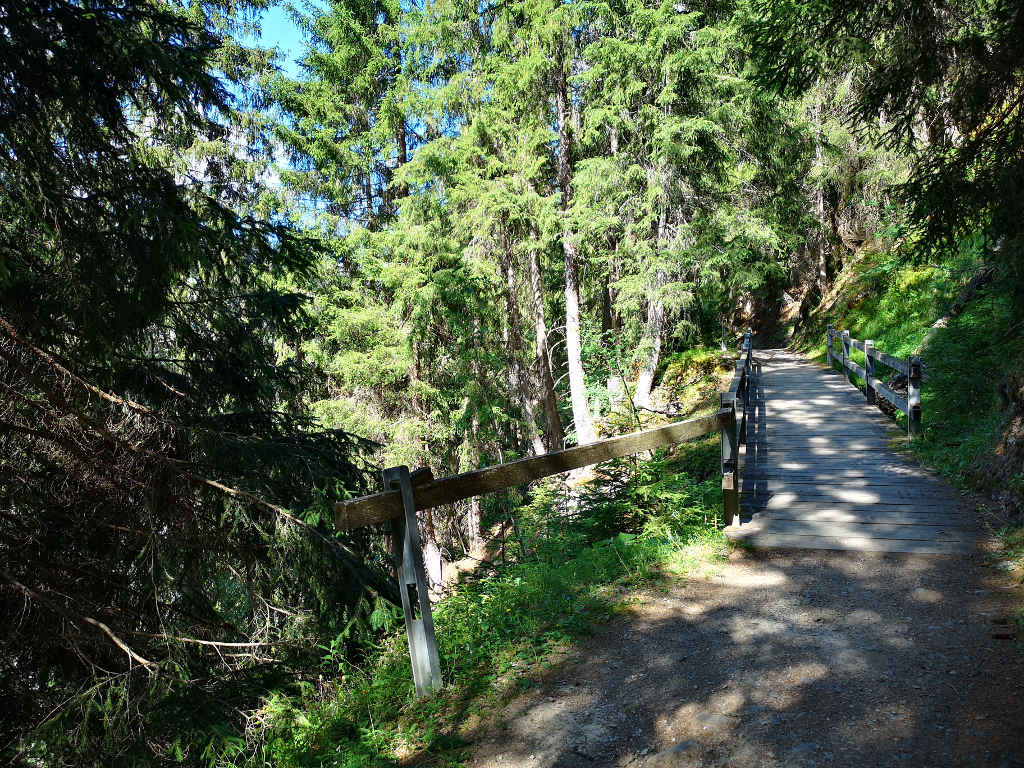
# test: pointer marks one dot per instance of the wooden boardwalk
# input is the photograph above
(820, 471)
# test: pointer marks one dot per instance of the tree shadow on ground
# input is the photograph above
(804, 659)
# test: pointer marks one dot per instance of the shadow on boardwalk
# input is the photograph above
(820, 471)
(788, 659)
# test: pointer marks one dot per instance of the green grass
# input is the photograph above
(639, 523)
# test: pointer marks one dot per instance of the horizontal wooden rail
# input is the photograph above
(891, 396)
(852, 366)
(379, 507)
(893, 362)
(911, 368)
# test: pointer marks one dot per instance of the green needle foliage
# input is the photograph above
(943, 82)
(155, 469)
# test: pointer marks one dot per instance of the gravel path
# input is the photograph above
(788, 659)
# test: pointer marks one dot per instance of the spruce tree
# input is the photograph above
(159, 492)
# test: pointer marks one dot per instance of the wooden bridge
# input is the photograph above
(822, 467)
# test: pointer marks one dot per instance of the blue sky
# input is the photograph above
(279, 31)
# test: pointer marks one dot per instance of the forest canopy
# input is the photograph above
(460, 233)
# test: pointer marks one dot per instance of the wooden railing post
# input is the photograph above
(828, 344)
(730, 463)
(869, 371)
(846, 356)
(914, 395)
(741, 397)
(412, 584)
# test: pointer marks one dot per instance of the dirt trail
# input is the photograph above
(788, 659)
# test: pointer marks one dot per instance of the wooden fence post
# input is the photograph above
(869, 371)
(412, 584)
(846, 356)
(828, 344)
(730, 467)
(914, 395)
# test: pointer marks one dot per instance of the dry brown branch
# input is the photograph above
(72, 617)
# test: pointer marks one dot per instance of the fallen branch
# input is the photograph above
(74, 618)
(981, 278)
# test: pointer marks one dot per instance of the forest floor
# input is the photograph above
(786, 659)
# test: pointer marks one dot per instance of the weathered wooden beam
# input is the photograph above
(914, 395)
(379, 507)
(852, 366)
(412, 580)
(846, 354)
(891, 396)
(893, 362)
(869, 371)
(857, 343)
(730, 461)
(738, 377)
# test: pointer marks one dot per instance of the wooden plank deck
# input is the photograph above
(820, 471)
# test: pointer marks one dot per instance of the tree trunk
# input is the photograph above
(655, 325)
(474, 516)
(433, 560)
(824, 278)
(403, 156)
(517, 373)
(613, 294)
(474, 531)
(555, 436)
(611, 321)
(415, 374)
(573, 343)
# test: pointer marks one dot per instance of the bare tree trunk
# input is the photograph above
(655, 325)
(822, 240)
(614, 320)
(573, 343)
(474, 530)
(415, 374)
(517, 372)
(613, 294)
(403, 157)
(555, 436)
(433, 561)
(371, 215)
(474, 517)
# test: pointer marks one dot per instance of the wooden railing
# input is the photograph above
(733, 406)
(910, 367)
(407, 492)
